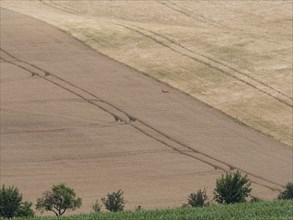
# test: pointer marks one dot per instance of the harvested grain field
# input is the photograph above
(72, 115)
(236, 55)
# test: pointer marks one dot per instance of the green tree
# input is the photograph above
(114, 202)
(198, 199)
(11, 204)
(232, 188)
(58, 200)
(287, 193)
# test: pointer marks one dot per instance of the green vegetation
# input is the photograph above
(58, 200)
(198, 199)
(114, 202)
(287, 193)
(279, 209)
(11, 204)
(232, 188)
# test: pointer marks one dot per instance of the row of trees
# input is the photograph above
(230, 188)
(57, 200)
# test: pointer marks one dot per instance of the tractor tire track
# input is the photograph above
(69, 10)
(190, 14)
(215, 61)
(210, 62)
(224, 69)
(138, 124)
(35, 73)
(79, 14)
(131, 118)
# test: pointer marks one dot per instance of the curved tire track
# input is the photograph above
(190, 14)
(69, 10)
(211, 60)
(198, 57)
(207, 21)
(134, 122)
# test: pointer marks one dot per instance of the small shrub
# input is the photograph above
(232, 188)
(60, 199)
(198, 199)
(25, 210)
(287, 193)
(97, 206)
(11, 204)
(114, 202)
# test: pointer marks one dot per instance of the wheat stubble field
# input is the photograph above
(70, 114)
